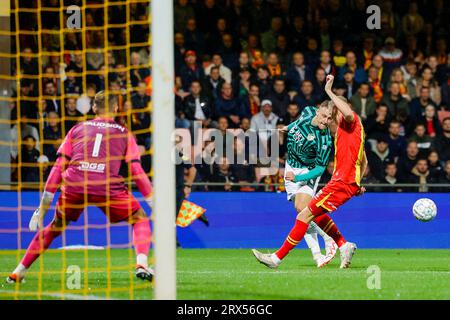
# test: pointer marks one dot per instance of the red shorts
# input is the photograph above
(118, 207)
(332, 196)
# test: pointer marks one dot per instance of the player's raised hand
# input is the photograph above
(36, 221)
(289, 176)
(329, 83)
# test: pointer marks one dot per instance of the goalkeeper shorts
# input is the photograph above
(119, 207)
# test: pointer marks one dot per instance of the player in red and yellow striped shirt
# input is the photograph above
(350, 163)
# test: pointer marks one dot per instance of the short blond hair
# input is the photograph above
(102, 99)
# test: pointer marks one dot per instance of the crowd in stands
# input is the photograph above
(256, 65)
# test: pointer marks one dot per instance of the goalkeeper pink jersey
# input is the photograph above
(95, 150)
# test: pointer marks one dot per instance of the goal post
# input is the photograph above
(163, 120)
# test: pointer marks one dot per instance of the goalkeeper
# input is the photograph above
(88, 162)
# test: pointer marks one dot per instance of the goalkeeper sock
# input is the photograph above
(325, 237)
(295, 236)
(39, 244)
(141, 241)
(329, 227)
(312, 241)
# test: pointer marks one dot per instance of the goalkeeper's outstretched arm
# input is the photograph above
(51, 186)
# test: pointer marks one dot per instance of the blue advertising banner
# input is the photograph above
(249, 220)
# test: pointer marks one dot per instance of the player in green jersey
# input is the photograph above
(309, 145)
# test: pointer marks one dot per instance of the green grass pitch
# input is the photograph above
(235, 274)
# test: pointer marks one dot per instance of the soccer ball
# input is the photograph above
(424, 210)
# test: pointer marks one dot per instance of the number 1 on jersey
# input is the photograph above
(98, 142)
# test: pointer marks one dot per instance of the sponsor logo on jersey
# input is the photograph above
(92, 167)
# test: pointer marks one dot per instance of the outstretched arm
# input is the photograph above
(342, 106)
(51, 186)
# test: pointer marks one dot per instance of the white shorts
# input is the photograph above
(307, 187)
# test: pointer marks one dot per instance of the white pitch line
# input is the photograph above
(69, 296)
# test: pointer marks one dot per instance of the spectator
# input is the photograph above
(420, 174)
(407, 162)
(25, 130)
(194, 39)
(29, 170)
(412, 22)
(191, 70)
(424, 142)
(339, 58)
(251, 104)
(180, 51)
(435, 165)
(351, 65)
(264, 121)
(292, 114)
(197, 106)
(72, 115)
(229, 52)
(53, 103)
(362, 102)
(418, 105)
(319, 84)
(228, 106)
(325, 63)
(397, 143)
(378, 156)
(397, 76)
(72, 85)
(213, 83)
(394, 100)
(390, 178)
(431, 121)
(244, 63)
(263, 80)
(222, 173)
(392, 56)
(297, 34)
(283, 53)
(306, 96)
(349, 84)
(139, 72)
(381, 71)
(376, 88)
(443, 141)
(52, 136)
(445, 178)
(377, 123)
(225, 72)
(426, 80)
(279, 98)
(269, 38)
(298, 73)
(312, 53)
(273, 65)
(183, 11)
(242, 84)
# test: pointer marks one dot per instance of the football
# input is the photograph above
(424, 209)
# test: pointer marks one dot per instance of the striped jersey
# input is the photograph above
(307, 145)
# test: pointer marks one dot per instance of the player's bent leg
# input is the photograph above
(301, 201)
(41, 241)
(141, 242)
